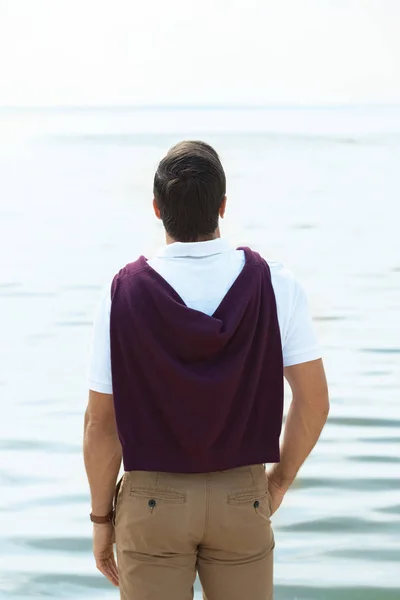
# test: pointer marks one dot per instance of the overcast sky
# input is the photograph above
(94, 52)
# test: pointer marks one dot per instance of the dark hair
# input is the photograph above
(189, 187)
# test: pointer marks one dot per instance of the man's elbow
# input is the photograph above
(316, 404)
(319, 396)
(326, 407)
(323, 404)
(101, 423)
(100, 410)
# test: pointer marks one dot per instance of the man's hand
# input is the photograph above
(277, 494)
(103, 550)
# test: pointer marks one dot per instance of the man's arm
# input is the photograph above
(102, 451)
(305, 420)
(103, 454)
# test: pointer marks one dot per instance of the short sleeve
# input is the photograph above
(99, 374)
(300, 344)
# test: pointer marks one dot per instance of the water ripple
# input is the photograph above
(391, 510)
(373, 554)
(64, 500)
(343, 524)
(72, 544)
(360, 484)
(74, 323)
(53, 585)
(375, 459)
(300, 592)
(381, 350)
(23, 445)
(364, 422)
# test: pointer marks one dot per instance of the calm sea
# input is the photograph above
(316, 189)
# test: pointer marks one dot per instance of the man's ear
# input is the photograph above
(156, 209)
(222, 208)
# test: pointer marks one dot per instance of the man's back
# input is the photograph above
(202, 273)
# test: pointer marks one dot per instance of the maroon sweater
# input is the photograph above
(195, 393)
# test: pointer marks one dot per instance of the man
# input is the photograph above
(186, 385)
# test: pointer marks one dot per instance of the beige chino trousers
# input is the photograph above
(171, 526)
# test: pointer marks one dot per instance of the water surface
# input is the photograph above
(316, 189)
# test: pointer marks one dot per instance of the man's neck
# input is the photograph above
(209, 238)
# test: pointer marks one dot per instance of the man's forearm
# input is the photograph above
(306, 418)
(102, 453)
(303, 427)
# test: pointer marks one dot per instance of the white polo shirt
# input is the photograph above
(202, 273)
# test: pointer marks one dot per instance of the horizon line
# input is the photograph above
(172, 107)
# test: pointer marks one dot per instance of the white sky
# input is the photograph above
(95, 52)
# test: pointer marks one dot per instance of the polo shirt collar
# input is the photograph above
(194, 249)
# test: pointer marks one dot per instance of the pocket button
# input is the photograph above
(256, 504)
(152, 503)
